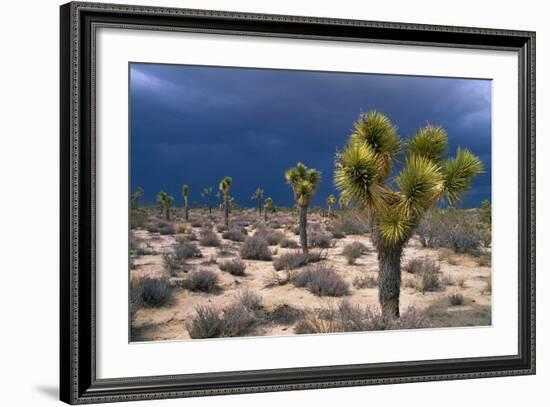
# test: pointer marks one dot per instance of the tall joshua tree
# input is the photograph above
(304, 183)
(136, 196)
(259, 196)
(331, 201)
(165, 202)
(207, 195)
(225, 184)
(267, 207)
(185, 194)
(427, 176)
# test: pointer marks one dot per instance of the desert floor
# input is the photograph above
(461, 274)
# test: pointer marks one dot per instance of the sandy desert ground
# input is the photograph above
(283, 302)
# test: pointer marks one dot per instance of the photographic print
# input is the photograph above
(268, 202)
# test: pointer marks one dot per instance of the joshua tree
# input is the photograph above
(136, 196)
(185, 194)
(225, 184)
(259, 196)
(485, 212)
(165, 202)
(207, 195)
(342, 203)
(331, 200)
(268, 207)
(304, 183)
(427, 176)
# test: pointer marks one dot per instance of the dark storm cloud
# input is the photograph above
(195, 125)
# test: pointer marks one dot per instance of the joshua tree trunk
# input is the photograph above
(265, 215)
(329, 210)
(186, 212)
(168, 214)
(260, 206)
(389, 280)
(303, 228)
(226, 212)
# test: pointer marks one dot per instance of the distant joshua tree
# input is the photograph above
(362, 171)
(259, 196)
(304, 182)
(342, 203)
(485, 212)
(207, 195)
(225, 185)
(331, 201)
(136, 196)
(165, 201)
(185, 194)
(268, 207)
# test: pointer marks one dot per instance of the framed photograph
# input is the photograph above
(254, 203)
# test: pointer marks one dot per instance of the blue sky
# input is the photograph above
(194, 125)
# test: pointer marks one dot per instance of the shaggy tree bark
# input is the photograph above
(168, 214)
(389, 280)
(303, 228)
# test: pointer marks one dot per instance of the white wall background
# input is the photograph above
(29, 163)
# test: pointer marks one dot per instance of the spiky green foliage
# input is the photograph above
(426, 176)
(304, 182)
(485, 212)
(458, 173)
(164, 202)
(225, 185)
(136, 195)
(331, 201)
(268, 207)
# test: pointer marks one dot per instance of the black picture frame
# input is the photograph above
(78, 382)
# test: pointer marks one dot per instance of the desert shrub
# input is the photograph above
(320, 240)
(220, 227)
(237, 320)
(447, 279)
(274, 224)
(288, 243)
(186, 250)
(225, 250)
(166, 228)
(138, 218)
(272, 237)
(206, 324)
(484, 260)
(338, 234)
(419, 265)
(136, 296)
(315, 256)
(255, 248)
(321, 280)
(250, 299)
(196, 223)
(455, 229)
(427, 273)
(201, 280)
(367, 281)
(350, 223)
(456, 299)
(290, 261)
(235, 235)
(209, 238)
(210, 260)
(349, 318)
(353, 251)
(285, 314)
(154, 291)
(235, 267)
(485, 236)
(171, 263)
(461, 282)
